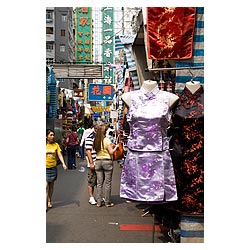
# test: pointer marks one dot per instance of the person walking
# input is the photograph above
(91, 158)
(52, 151)
(85, 134)
(80, 132)
(72, 144)
(103, 166)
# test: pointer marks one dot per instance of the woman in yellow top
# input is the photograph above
(103, 166)
(52, 149)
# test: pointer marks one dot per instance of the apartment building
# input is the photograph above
(60, 44)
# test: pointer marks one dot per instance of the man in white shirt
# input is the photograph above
(85, 134)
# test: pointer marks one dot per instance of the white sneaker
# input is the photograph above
(82, 169)
(92, 201)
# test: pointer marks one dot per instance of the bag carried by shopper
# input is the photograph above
(72, 139)
(118, 154)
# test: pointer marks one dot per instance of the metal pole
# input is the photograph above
(85, 90)
(153, 229)
(162, 69)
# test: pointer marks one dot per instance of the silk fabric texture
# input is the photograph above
(147, 173)
(170, 32)
(188, 151)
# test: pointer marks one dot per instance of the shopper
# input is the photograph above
(103, 166)
(110, 131)
(80, 132)
(64, 143)
(111, 136)
(52, 150)
(72, 144)
(91, 158)
(86, 133)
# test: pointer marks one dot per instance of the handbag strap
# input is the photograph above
(117, 139)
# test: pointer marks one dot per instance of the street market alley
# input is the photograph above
(73, 220)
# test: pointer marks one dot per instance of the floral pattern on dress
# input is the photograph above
(147, 173)
(188, 151)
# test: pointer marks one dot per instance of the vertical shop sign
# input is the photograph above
(108, 44)
(83, 35)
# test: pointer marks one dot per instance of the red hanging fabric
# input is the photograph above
(170, 32)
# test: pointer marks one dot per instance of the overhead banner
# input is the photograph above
(100, 92)
(78, 71)
(83, 35)
(121, 40)
(170, 32)
(108, 44)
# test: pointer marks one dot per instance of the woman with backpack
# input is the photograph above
(72, 144)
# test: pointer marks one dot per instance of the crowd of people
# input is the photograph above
(93, 143)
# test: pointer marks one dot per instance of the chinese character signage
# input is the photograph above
(100, 92)
(79, 93)
(83, 35)
(108, 44)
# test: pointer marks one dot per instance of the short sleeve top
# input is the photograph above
(104, 154)
(51, 151)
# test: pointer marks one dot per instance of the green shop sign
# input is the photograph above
(108, 44)
(83, 43)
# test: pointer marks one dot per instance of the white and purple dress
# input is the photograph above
(148, 174)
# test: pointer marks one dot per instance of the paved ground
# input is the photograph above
(73, 220)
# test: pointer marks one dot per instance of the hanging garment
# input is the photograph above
(197, 60)
(148, 174)
(170, 32)
(188, 151)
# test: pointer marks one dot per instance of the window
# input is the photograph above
(49, 16)
(64, 18)
(62, 32)
(49, 60)
(62, 48)
(49, 30)
(49, 46)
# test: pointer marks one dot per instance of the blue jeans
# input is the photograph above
(81, 151)
(71, 153)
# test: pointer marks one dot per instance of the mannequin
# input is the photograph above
(147, 173)
(148, 85)
(188, 148)
(193, 86)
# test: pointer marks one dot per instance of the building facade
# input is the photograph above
(60, 43)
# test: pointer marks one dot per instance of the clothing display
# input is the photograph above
(188, 150)
(148, 174)
(170, 32)
(183, 74)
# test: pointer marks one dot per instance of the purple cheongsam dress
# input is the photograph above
(148, 174)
